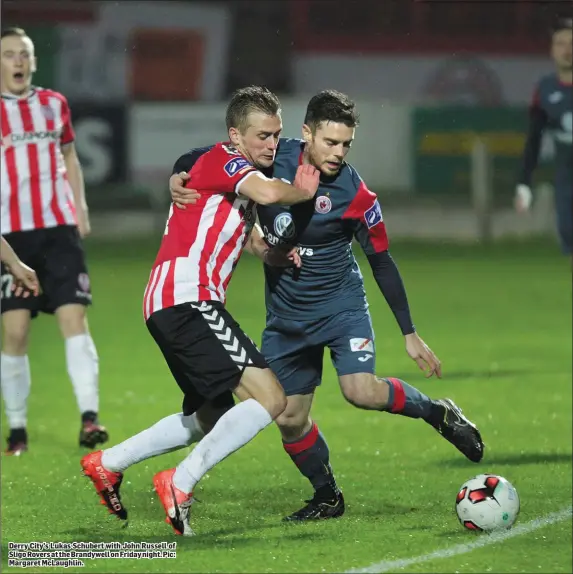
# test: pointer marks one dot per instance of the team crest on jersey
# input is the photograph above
(235, 165)
(284, 225)
(323, 204)
(373, 216)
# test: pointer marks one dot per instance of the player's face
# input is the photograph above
(259, 142)
(18, 64)
(327, 147)
(561, 49)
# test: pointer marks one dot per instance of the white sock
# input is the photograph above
(233, 430)
(169, 434)
(16, 382)
(83, 370)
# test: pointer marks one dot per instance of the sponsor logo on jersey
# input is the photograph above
(323, 204)
(235, 165)
(31, 137)
(373, 216)
(284, 225)
(555, 97)
(361, 345)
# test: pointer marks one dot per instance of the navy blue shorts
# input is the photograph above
(564, 214)
(294, 350)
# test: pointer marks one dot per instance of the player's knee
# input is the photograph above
(15, 337)
(292, 425)
(293, 421)
(262, 385)
(364, 391)
(72, 320)
(275, 403)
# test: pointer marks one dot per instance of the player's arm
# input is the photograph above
(530, 156)
(25, 279)
(365, 214)
(274, 256)
(266, 191)
(74, 170)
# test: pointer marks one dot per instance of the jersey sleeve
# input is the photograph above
(223, 171)
(68, 134)
(537, 124)
(365, 215)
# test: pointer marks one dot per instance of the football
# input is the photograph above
(486, 503)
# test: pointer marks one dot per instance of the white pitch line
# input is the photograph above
(484, 540)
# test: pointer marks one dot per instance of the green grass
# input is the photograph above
(498, 317)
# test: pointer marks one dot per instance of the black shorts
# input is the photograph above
(206, 351)
(57, 256)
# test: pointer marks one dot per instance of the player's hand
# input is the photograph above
(84, 226)
(307, 178)
(278, 257)
(523, 198)
(423, 355)
(25, 280)
(180, 195)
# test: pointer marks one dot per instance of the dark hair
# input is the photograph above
(247, 100)
(331, 106)
(561, 23)
(13, 31)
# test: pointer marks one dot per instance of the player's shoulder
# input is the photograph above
(547, 82)
(49, 93)
(186, 161)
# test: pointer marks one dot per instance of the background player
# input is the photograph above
(205, 348)
(323, 303)
(25, 278)
(44, 213)
(552, 109)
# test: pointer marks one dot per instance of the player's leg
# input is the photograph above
(297, 363)
(353, 355)
(105, 468)
(217, 356)
(68, 294)
(171, 433)
(16, 321)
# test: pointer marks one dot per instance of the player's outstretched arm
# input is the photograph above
(25, 279)
(266, 191)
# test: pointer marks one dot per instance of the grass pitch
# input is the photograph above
(500, 320)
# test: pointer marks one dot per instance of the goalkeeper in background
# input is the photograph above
(551, 110)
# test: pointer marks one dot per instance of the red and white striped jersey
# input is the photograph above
(35, 191)
(203, 243)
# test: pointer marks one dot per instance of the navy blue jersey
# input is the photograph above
(555, 99)
(343, 209)
(551, 111)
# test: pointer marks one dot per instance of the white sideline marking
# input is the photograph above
(484, 540)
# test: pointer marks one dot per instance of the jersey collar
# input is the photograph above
(30, 94)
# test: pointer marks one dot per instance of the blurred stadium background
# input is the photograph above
(148, 80)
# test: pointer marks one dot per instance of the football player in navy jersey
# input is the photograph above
(552, 111)
(323, 304)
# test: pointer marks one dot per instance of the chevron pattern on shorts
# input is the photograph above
(223, 332)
